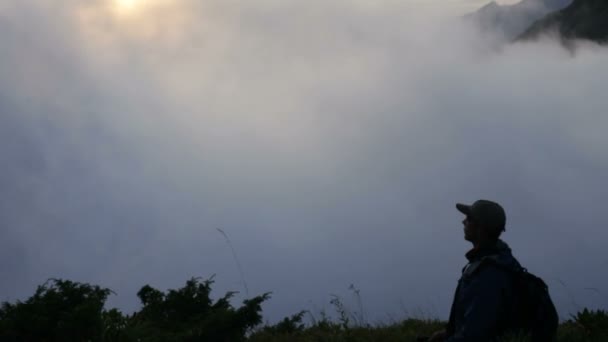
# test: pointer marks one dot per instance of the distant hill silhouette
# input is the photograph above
(509, 21)
(583, 19)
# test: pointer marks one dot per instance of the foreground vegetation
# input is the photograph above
(62, 310)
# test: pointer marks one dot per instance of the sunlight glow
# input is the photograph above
(126, 6)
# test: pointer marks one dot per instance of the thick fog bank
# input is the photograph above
(329, 140)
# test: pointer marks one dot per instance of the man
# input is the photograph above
(483, 303)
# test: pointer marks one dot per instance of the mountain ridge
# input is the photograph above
(583, 19)
(510, 21)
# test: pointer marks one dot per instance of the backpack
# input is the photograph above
(536, 314)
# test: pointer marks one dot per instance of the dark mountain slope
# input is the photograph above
(509, 21)
(583, 19)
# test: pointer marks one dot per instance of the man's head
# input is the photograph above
(485, 220)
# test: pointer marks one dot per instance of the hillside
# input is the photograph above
(583, 19)
(63, 310)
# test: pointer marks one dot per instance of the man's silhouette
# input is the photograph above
(483, 303)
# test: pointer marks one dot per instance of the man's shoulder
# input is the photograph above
(491, 265)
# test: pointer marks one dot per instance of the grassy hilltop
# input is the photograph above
(62, 310)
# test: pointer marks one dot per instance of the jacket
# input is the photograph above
(483, 306)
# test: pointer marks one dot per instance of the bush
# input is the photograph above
(188, 314)
(62, 310)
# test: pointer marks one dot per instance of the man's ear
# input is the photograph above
(494, 232)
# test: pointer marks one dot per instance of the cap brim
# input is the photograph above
(464, 208)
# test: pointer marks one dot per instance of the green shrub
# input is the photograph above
(188, 314)
(59, 310)
(62, 310)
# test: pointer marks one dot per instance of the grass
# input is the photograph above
(595, 329)
(585, 326)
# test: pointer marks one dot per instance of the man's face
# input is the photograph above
(471, 229)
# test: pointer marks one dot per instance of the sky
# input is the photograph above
(330, 141)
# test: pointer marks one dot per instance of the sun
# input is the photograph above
(126, 6)
(136, 8)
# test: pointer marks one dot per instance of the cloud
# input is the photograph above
(329, 140)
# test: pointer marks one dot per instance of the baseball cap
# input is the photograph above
(485, 212)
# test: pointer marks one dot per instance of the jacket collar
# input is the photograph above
(493, 248)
